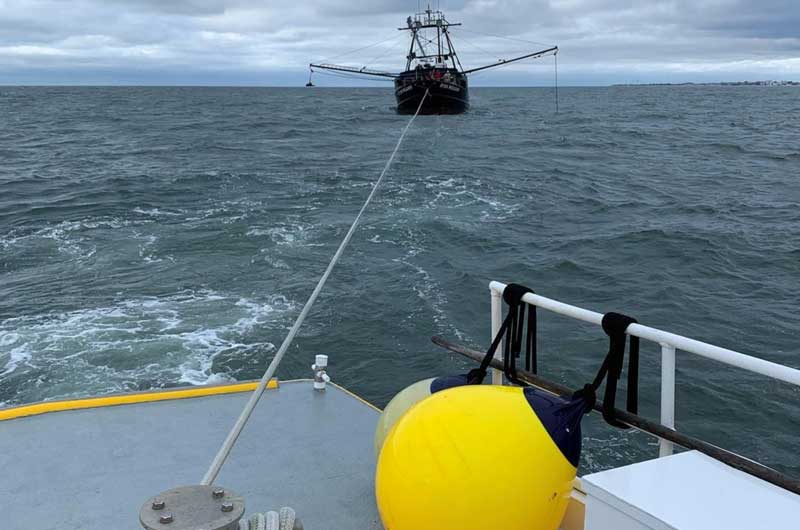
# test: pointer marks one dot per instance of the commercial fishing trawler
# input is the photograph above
(433, 75)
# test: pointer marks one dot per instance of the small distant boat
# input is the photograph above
(433, 70)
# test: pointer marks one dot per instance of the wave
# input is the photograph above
(760, 153)
(784, 156)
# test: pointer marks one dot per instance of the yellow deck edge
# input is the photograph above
(356, 396)
(45, 407)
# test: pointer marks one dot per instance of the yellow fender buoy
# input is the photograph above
(476, 457)
(404, 400)
(407, 398)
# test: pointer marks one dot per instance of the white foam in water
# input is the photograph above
(70, 237)
(7, 339)
(155, 341)
(429, 291)
(456, 193)
(16, 356)
(205, 344)
(156, 212)
(147, 250)
(272, 260)
(227, 211)
(287, 235)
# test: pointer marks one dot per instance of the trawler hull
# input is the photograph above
(447, 92)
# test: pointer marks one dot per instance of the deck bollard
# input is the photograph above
(193, 507)
(321, 377)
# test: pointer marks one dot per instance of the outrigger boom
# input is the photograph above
(500, 62)
(352, 70)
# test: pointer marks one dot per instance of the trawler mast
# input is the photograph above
(445, 51)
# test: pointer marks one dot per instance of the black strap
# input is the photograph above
(615, 325)
(531, 353)
(589, 394)
(512, 331)
(477, 375)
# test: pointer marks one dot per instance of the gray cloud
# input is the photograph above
(257, 42)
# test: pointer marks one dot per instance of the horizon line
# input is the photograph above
(610, 85)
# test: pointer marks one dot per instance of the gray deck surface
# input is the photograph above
(92, 469)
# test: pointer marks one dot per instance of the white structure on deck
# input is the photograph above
(687, 491)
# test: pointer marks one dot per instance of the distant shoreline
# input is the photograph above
(719, 83)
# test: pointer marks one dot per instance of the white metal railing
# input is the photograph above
(669, 342)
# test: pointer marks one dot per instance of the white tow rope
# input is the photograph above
(233, 435)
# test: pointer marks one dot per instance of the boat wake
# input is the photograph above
(136, 344)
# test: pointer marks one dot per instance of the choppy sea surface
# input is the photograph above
(159, 237)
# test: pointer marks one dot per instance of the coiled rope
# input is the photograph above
(233, 435)
(285, 519)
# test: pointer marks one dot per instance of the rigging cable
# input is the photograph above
(555, 58)
(233, 435)
(484, 50)
(382, 55)
(394, 37)
(462, 29)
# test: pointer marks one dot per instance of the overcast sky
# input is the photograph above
(271, 42)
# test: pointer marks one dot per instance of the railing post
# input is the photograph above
(667, 395)
(497, 321)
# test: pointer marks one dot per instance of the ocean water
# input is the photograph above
(158, 237)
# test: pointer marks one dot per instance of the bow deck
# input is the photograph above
(92, 468)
